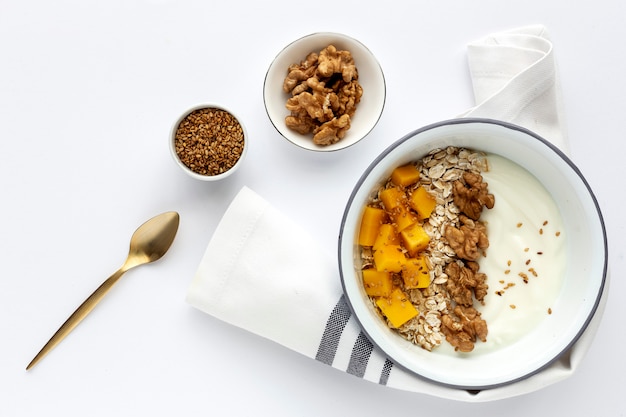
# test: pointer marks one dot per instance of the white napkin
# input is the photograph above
(265, 274)
(514, 75)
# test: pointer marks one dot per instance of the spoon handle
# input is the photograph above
(81, 312)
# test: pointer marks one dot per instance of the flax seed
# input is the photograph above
(209, 141)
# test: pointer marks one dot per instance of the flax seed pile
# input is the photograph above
(209, 141)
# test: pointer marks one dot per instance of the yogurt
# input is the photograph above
(525, 261)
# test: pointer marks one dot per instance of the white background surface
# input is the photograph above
(88, 91)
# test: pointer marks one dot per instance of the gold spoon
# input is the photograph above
(149, 243)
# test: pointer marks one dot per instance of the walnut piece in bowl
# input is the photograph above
(324, 92)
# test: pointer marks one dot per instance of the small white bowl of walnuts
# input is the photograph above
(208, 142)
(324, 91)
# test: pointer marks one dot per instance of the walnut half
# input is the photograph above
(470, 195)
(465, 283)
(464, 328)
(469, 240)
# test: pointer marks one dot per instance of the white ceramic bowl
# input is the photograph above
(585, 270)
(189, 171)
(371, 79)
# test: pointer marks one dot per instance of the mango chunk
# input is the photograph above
(376, 283)
(397, 308)
(392, 198)
(370, 224)
(386, 236)
(389, 258)
(415, 273)
(405, 175)
(403, 218)
(415, 238)
(422, 202)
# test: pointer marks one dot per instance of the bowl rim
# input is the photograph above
(339, 145)
(459, 121)
(185, 168)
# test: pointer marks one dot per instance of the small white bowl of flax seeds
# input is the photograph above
(208, 142)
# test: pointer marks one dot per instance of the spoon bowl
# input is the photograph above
(149, 243)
